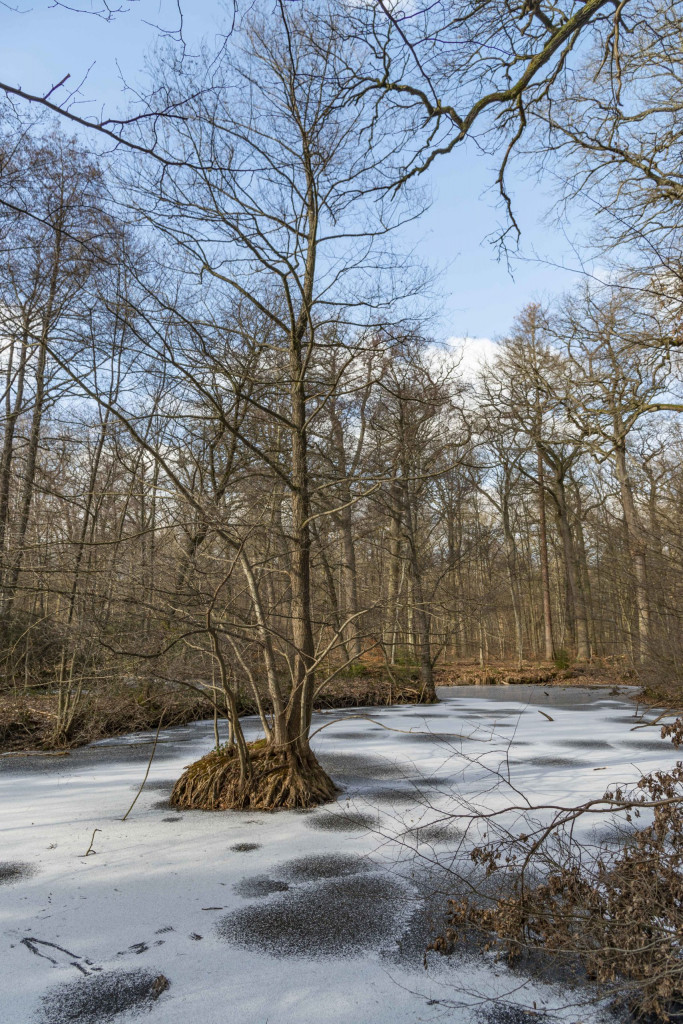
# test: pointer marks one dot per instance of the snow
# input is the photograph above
(300, 924)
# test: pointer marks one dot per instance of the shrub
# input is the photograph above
(615, 910)
(561, 659)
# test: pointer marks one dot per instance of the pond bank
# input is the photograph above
(27, 720)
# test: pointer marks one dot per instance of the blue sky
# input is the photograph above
(480, 297)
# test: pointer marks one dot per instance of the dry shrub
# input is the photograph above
(277, 780)
(372, 687)
(615, 911)
(27, 721)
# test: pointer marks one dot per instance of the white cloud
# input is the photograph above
(473, 353)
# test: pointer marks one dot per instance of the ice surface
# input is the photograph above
(289, 918)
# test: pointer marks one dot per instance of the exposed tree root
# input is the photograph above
(280, 780)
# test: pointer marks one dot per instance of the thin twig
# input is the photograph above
(149, 765)
(92, 840)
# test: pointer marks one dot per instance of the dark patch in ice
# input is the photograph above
(450, 738)
(493, 713)
(352, 734)
(613, 834)
(510, 1013)
(338, 917)
(245, 847)
(553, 761)
(360, 766)
(436, 832)
(93, 757)
(393, 794)
(259, 885)
(110, 753)
(172, 819)
(100, 998)
(161, 785)
(586, 744)
(15, 871)
(342, 821)
(632, 719)
(326, 865)
(422, 714)
(660, 746)
(427, 920)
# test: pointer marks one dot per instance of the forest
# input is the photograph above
(244, 472)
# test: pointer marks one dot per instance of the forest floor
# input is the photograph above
(318, 917)
(28, 717)
(505, 673)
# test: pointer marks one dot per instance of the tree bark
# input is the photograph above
(572, 568)
(637, 550)
(549, 649)
(36, 421)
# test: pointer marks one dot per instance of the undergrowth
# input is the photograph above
(614, 909)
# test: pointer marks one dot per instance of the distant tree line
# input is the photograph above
(232, 454)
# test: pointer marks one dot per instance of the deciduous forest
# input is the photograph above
(242, 472)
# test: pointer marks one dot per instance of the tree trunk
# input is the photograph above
(351, 605)
(394, 584)
(36, 422)
(345, 522)
(421, 625)
(584, 575)
(637, 550)
(511, 559)
(571, 563)
(13, 411)
(549, 649)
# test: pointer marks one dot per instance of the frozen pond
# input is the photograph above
(291, 918)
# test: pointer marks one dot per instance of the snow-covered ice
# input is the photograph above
(288, 918)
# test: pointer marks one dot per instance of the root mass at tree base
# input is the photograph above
(278, 780)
